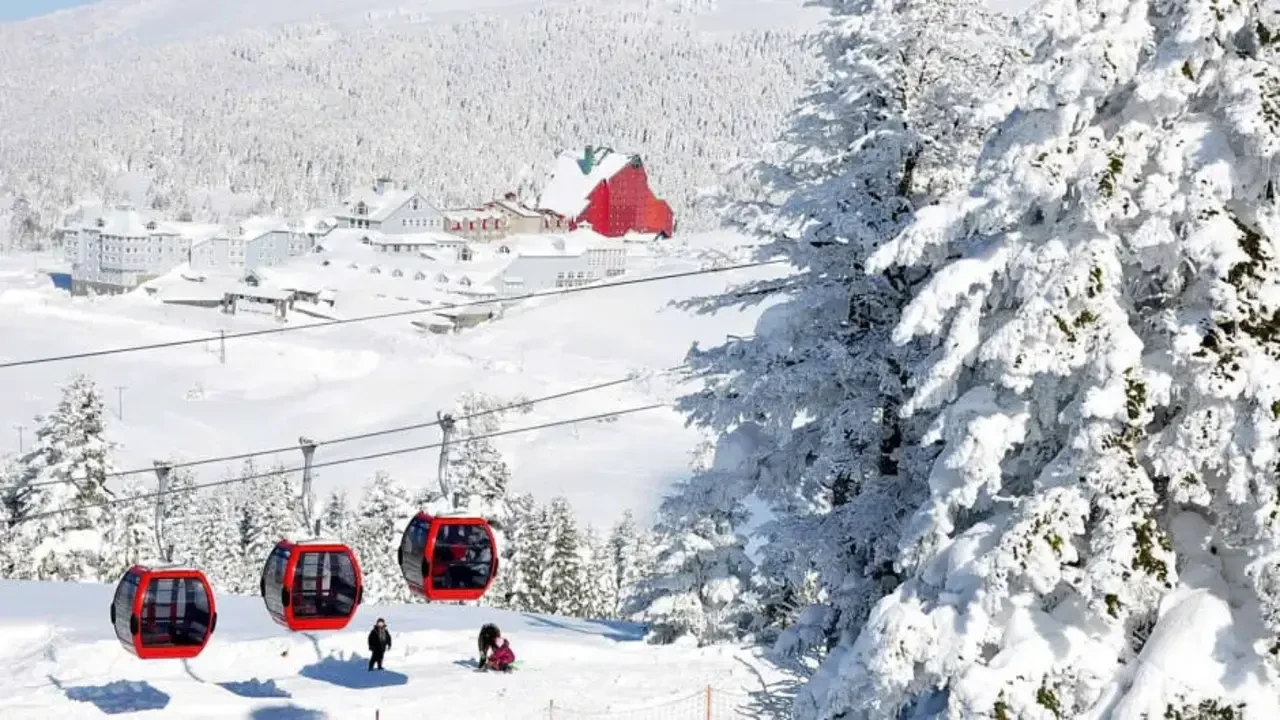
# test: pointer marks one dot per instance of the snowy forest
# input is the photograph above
(549, 563)
(465, 111)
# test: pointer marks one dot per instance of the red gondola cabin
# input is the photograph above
(162, 613)
(448, 558)
(311, 585)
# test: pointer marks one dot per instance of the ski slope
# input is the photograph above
(336, 381)
(60, 659)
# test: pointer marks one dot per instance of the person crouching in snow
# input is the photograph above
(487, 642)
(379, 643)
(503, 657)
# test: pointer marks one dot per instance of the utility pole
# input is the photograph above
(22, 448)
(222, 347)
(311, 522)
(447, 424)
(120, 401)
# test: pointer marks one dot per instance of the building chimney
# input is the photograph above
(588, 160)
(381, 184)
(510, 197)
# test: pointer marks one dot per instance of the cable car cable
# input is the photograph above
(381, 316)
(331, 463)
(372, 434)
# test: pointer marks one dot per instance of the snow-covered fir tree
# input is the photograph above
(132, 537)
(337, 517)
(180, 509)
(701, 583)
(216, 545)
(566, 581)
(534, 545)
(510, 588)
(630, 557)
(1101, 307)
(58, 503)
(379, 523)
(814, 395)
(269, 513)
(601, 598)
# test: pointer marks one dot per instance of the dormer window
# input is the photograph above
(419, 275)
(100, 222)
(151, 225)
(361, 208)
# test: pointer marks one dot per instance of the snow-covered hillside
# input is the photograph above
(245, 106)
(357, 378)
(61, 659)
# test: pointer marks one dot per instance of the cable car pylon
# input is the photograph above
(311, 584)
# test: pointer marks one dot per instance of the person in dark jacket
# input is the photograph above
(379, 643)
(487, 642)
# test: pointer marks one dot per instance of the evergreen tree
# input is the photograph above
(380, 519)
(534, 548)
(269, 514)
(65, 472)
(510, 588)
(601, 598)
(337, 518)
(702, 579)
(133, 537)
(180, 509)
(216, 547)
(1101, 309)
(567, 585)
(627, 556)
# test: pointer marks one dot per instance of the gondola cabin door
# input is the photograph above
(448, 558)
(312, 585)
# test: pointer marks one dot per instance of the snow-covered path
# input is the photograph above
(61, 660)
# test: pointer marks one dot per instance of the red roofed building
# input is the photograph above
(608, 190)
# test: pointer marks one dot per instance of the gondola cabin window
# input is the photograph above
(122, 606)
(276, 573)
(175, 611)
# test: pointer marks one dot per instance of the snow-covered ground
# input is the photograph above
(62, 660)
(336, 381)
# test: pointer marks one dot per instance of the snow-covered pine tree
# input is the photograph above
(892, 124)
(9, 475)
(337, 519)
(380, 519)
(65, 472)
(269, 514)
(180, 509)
(602, 585)
(132, 537)
(534, 545)
(510, 589)
(1103, 307)
(567, 582)
(216, 546)
(702, 578)
(628, 558)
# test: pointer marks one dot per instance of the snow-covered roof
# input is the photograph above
(425, 238)
(197, 233)
(380, 205)
(516, 208)
(559, 244)
(574, 176)
(123, 222)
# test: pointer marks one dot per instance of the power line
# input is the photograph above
(367, 435)
(331, 463)
(380, 316)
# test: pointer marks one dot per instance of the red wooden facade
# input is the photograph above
(624, 203)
